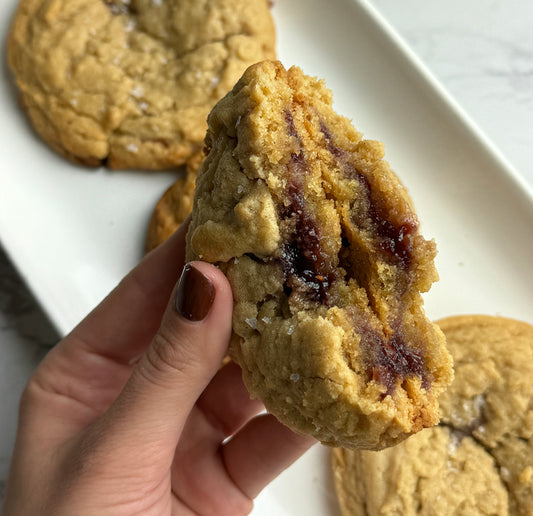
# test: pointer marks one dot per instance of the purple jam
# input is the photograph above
(291, 128)
(389, 358)
(394, 241)
(394, 360)
(304, 263)
(308, 270)
(306, 266)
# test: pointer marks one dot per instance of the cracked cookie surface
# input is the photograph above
(322, 248)
(129, 83)
(479, 460)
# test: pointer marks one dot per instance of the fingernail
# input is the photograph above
(195, 294)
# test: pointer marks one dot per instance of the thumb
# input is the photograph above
(182, 358)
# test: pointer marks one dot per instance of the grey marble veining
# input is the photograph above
(25, 336)
(481, 50)
(19, 312)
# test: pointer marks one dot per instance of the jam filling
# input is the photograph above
(394, 241)
(393, 360)
(389, 359)
(304, 263)
(307, 268)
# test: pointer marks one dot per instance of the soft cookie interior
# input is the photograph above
(322, 247)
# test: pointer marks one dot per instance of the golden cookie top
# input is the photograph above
(129, 83)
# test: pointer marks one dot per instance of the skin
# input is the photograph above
(129, 414)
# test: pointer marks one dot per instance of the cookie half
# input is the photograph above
(479, 460)
(129, 83)
(322, 248)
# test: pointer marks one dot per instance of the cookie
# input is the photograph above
(430, 473)
(129, 83)
(174, 206)
(322, 248)
(479, 460)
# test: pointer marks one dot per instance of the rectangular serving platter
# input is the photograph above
(74, 232)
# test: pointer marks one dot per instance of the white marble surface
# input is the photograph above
(480, 50)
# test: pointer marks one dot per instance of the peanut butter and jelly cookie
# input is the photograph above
(174, 206)
(479, 460)
(322, 248)
(129, 83)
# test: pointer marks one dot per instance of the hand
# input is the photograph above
(130, 414)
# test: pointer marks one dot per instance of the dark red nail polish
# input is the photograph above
(195, 294)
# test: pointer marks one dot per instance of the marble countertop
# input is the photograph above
(481, 51)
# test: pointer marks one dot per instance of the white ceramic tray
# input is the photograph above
(73, 233)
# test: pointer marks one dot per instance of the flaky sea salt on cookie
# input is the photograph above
(321, 245)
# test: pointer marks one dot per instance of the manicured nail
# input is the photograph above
(195, 294)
